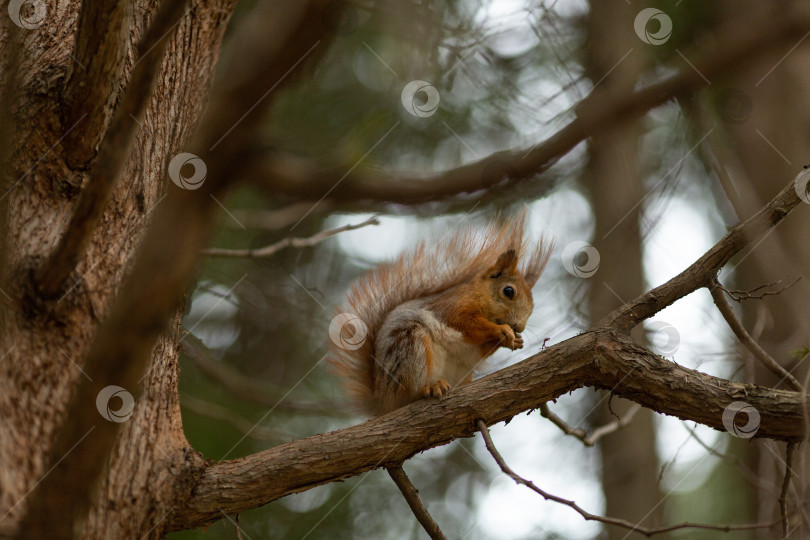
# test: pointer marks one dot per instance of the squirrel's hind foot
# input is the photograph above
(438, 389)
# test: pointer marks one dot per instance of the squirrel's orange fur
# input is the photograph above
(433, 313)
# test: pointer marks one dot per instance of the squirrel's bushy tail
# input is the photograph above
(455, 257)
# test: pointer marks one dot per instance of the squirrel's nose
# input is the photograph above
(518, 327)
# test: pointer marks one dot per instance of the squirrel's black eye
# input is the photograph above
(509, 292)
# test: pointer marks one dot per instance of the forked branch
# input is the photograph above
(745, 338)
(598, 433)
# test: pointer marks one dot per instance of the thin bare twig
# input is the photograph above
(745, 338)
(739, 296)
(633, 527)
(598, 433)
(413, 499)
(566, 428)
(785, 484)
(272, 249)
(733, 460)
(613, 426)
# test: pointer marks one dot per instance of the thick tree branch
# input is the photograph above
(737, 42)
(278, 37)
(272, 249)
(95, 75)
(413, 499)
(115, 146)
(604, 357)
(597, 358)
(745, 338)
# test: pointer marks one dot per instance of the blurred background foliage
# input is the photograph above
(509, 74)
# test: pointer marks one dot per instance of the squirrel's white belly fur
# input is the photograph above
(454, 359)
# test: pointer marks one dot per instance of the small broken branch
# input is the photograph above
(566, 428)
(413, 499)
(745, 338)
(598, 433)
(272, 249)
(632, 527)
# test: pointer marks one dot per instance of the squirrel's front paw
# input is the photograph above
(438, 389)
(509, 338)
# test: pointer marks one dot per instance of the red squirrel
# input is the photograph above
(425, 320)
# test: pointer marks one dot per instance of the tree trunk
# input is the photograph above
(43, 344)
(614, 63)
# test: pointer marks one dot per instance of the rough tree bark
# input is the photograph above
(44, 344)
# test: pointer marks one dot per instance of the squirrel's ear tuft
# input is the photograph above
(507, 262)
